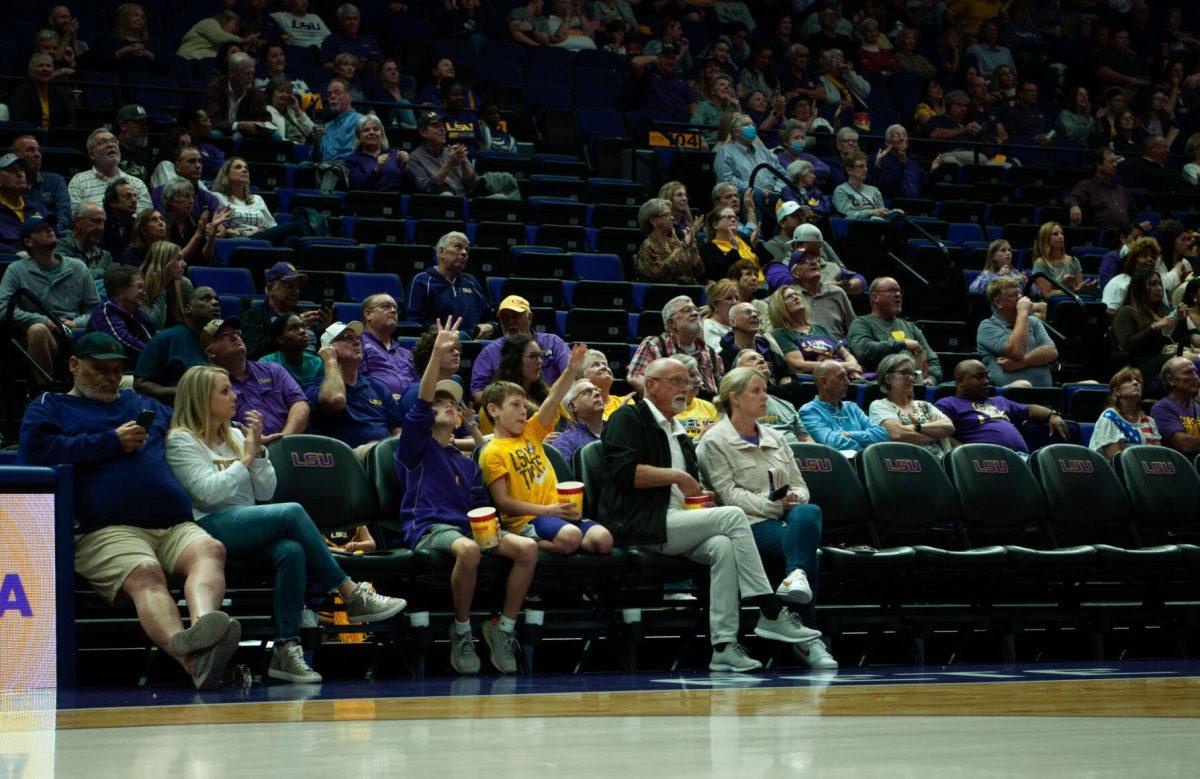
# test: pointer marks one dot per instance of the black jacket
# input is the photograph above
(631, 438)
(24, 106)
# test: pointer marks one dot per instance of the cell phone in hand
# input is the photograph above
(777, 494)
(145, 419)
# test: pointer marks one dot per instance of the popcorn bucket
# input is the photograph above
(485, 527)
(697, 502)
(571, 492)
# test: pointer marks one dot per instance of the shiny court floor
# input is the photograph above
(1127, 719)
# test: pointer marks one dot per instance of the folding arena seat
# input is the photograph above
(486, 209)
(541, 293)
(947, 336)
(499, 235)
(423, 207)
(334, 257)
(587, 78)
(622, 242)
(964, 232)
(360, 286)
(520, 167)
(381, 231)
(225, 281)
(384, 205)
(325, 476)
(259, 258)
(833, 485)
(488, 261)
(596, 324)
(430, 231)
(560, 211)
(551, 57)
(506, 52)
(613, 215)
(330, 204)
(597, 267)
(913, 498)
(405, 260)
(323, 286)
(1011, 213)
(570, 187)
(655, 296)
(541, 95)
(608, 190)
(866, 246)
(1165, 491)
(543, 265)
(566, 237)
(602, 294)
(1085, 402)
(258, 150)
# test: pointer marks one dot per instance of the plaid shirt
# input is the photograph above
(655, 346)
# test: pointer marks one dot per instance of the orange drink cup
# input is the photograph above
(696, 502)
(485, 527)
(571, 492)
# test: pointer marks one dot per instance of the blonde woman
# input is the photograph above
(249, 216)
(804, 344)
(675, 193)
(167, 288)
(225, 470)
(721, 294)
(1051, 258)
(747, 465)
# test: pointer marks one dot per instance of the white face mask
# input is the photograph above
(1124, 251)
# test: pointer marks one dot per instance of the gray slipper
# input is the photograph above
(210, 663)
(204, 632)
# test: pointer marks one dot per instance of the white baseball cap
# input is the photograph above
(807, 232)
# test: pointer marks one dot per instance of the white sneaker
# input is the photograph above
(462, 652)
(734, 658)
(288, 665)
(787, 627)
(795, 588)
(815, 655)
(366, 605)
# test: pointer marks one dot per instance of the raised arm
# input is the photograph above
(559, 389)
(443, 344)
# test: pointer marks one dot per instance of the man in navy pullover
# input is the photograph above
(128, 543)
(447, 291)
(440, 487)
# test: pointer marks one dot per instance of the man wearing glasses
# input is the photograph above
(682, 335)
(516, 316)
(828, 304)
(882, 332)
(384, 360)
(283, 299)
(650, 468)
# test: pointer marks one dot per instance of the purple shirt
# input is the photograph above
(573, 438)
(268, 389)
(1173, 418)
(991, 421)
(668, 95)
(488, 361)
(393, 368)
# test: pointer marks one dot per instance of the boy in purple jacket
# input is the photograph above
(440, 487)
(120, 313)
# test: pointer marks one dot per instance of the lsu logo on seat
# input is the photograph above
(901, 466)
(312, 460)
(990, 466)
(1076, 466)
(1159, 468)
(814, 465)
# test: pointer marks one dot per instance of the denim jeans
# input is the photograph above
(795, 538)
(284, 534)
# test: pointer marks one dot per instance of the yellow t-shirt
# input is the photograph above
(523, 460)
(614, 402)
(698, 417)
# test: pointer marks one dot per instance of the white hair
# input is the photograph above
(363, 122)
(673, 304)
(445, 240)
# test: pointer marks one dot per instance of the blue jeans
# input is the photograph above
(284, 534)
(795, 537)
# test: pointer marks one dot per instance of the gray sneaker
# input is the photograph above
(734, 658)
(204, 632)
(288, 665)
(210, 663)
(786, 627)
(503, 646)
(462, 653)
(815, 655)
(366, 605)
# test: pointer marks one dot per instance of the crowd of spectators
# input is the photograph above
(773, 354)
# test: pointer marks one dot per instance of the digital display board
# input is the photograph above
(28, 649)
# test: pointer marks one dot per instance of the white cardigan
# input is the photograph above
(215, 478)
(737, 470)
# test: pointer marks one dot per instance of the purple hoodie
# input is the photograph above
(134, 332)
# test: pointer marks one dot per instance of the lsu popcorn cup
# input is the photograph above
(485, 527)
(571, 492)
(696, 502)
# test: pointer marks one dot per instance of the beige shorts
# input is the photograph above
(107, 556)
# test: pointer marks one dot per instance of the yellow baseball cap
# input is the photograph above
(514, 303)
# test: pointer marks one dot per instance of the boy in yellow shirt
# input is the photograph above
(521, 479)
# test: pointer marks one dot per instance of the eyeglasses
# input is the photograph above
(679, 383)
(545, 354)
(906, 373)
(727, 216)
(386, 307)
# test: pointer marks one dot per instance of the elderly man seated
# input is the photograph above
(347, 405)
(1013, 343)
(882, 332)
(650, 467)
(265, 387)
(681, 335)
(516, 316)
(1178, 414)
(744, 321)
(586, 405)
(831, 421)
(982, 419)
(115, 441)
